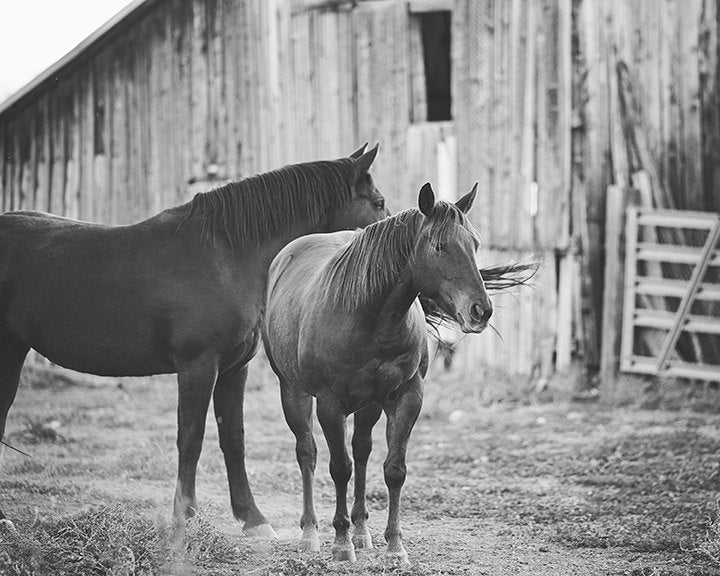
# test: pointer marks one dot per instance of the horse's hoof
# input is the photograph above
(344, 554)
(311, 544)
(262, 531)
(397, 559)
(361, 541)
(6, 524)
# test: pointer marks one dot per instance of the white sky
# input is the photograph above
(36, 33)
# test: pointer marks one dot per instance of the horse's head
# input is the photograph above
(367, 204)
(445, 268)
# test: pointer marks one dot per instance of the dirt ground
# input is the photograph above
(537, 489)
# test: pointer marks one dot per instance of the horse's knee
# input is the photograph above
(341, 470)
(361, 446)
(395, 473)
(306, 451)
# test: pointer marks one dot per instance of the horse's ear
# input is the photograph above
(359, 152)
(363, 163)
(466, 202)
(426, 199)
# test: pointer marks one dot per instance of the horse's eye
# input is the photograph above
(379, 204)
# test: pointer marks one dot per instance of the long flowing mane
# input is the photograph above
(257, 208)
(376, 256)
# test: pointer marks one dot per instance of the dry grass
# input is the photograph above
(497, 484)
(709, 547)
(114, 540)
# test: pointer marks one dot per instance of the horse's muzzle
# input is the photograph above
(476, 319)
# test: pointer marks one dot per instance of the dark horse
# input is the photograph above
(182, 292)
(344, 324)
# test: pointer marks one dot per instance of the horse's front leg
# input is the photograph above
(228, 402)
(332, 419)
(401, 417)
(195, 385)
(365, 420)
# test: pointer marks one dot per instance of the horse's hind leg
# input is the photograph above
(401, 417)
(228, 402)
(195, 384)
(332, 420)
(297, 407)
(12, 357)
(365, 420)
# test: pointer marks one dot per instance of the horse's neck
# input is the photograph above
(270, 248)
(395, 304)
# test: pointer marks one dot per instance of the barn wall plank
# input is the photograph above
(234, 87)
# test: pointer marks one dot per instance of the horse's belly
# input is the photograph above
(102, 364)
(101, 345)
(126, 332)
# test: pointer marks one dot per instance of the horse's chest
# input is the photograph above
(377, 379)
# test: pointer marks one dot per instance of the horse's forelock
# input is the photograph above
(448, 219)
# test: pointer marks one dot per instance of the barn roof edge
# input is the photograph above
(120, 19)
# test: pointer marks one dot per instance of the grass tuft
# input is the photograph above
(710, 546)
(112, 540)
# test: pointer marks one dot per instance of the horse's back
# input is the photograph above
(35, 242)
(24, 238)
(300, 262)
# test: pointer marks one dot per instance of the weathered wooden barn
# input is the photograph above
(524, 96)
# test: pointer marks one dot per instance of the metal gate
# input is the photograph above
(671, 314)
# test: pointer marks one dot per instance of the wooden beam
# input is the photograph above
(663, 320)
(614, 282)
(677, 219)
(630, 270)
(647, 365)
(568, 272)
(651, 252)
(416, 6)
(676, 288)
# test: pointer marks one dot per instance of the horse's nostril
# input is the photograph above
(479, 313)
(476, 312)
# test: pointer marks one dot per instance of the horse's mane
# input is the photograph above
(376, 256)
(257, 208)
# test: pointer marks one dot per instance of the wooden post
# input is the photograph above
(618, 199)
(568, 272)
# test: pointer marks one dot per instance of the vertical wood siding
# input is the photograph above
(200, 90)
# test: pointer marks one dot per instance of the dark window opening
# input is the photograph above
(99, 127)
(435, 37)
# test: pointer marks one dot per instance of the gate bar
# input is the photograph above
(687, 300)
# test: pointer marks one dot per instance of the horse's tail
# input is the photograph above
(498, 278)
